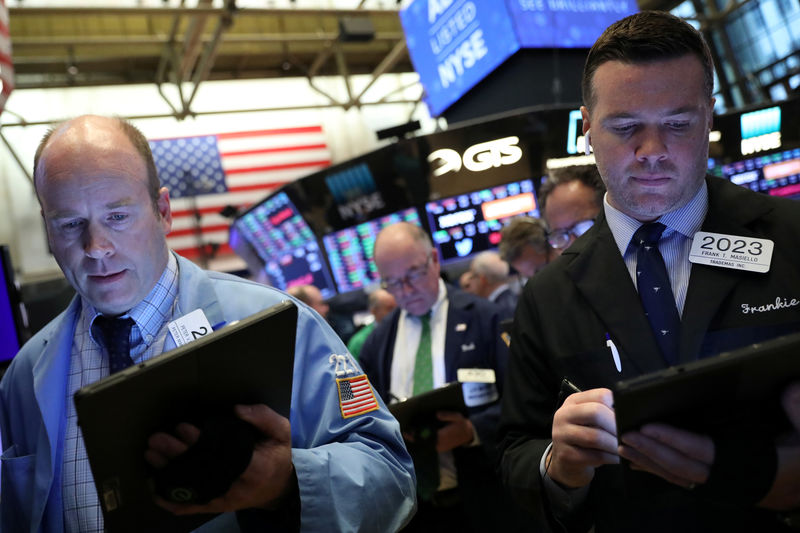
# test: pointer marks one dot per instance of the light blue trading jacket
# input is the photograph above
(353, 474)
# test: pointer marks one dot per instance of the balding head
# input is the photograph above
(105, 230)
(93, 130)
(408, 266)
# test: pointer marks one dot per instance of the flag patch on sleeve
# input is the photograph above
(356, 396)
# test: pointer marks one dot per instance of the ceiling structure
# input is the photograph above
(56, 47)
(185, 46)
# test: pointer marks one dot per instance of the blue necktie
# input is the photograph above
(116, 333)
(655, 291)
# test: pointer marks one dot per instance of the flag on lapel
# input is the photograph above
(208, 172)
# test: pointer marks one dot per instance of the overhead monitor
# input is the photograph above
(286, 244)
(574, 24)
(11, 317)
(454, 45)
(350, 251)
(470, 223)
(776, 174)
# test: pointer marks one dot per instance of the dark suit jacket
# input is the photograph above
(472, 341)
(507, 300)
(560, 331)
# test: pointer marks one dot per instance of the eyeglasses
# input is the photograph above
(413, 276)
(560, 238)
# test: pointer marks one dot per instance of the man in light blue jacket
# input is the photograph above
(325, 469)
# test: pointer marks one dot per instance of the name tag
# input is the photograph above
(475, 375)
(189, 327)
(731, 251)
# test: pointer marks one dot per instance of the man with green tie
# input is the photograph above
(437, 330)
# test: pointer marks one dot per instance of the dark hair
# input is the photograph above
(521, 232)
(645, 37)
(137, 139)
(586, 174)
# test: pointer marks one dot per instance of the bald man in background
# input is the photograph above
(491, 281)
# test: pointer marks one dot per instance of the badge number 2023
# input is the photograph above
(731, 251)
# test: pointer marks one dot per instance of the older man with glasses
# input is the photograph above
(437, 334)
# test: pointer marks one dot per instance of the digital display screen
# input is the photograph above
(776, 174)
(573, 24)
(454, 45)
(286, 244)
(9, 337)
(350, 251)
(470, 223)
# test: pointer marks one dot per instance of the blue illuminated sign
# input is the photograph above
(761, 122)
(454, 44)
(565, 23)
(572, 132)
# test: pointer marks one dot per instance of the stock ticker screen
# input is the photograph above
(470, 223)
(776, 174)
(350, 251)
(286, 244)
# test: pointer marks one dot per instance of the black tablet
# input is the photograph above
(734, 391)
(422, 408)
(247, 362)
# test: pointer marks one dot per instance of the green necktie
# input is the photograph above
(423, 366)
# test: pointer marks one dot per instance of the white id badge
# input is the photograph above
(189, 327)
(475, 375)
(731, 251)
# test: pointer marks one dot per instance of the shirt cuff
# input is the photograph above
(563, 500)
(476, 439)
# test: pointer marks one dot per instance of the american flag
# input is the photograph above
(356, 396)
(208, 172)
(6, 67)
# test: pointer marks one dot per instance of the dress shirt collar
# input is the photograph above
(686, 220)
(150, 314)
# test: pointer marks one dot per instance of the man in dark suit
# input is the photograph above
(436, 331)
(648, 85)
(491, 281)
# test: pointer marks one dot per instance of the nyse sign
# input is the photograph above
(454, 44)
(478, 157)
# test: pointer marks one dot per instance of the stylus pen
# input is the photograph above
(567, 388)
(570, 385)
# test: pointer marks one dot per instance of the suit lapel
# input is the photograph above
(599, 273)
(457, 329)
(197, 292)
(50, 389)
(708, 285)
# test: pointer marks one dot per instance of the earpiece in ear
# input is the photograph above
(586, 148)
